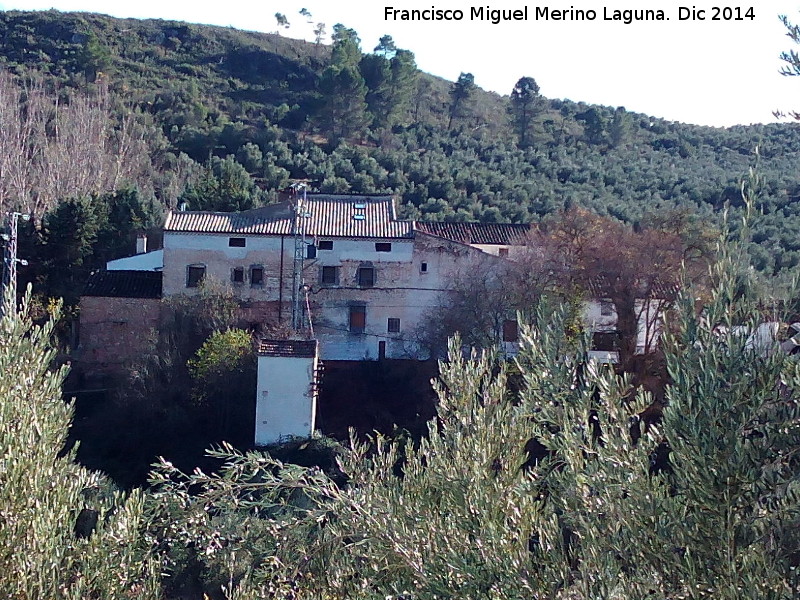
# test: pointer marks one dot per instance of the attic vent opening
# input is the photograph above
(360, 205)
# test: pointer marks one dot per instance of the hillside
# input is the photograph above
(277, 107)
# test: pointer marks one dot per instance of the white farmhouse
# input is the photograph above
(366, 278)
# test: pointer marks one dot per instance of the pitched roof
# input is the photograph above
(476, 233)
(288, 348)
(124, 284)
(326, 215)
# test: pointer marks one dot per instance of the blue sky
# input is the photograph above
(705, 72)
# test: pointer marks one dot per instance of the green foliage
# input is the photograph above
(93, 58)
(346, 46)
(69, 235)
(472, 510)
(460, 94)
(206, 91)
(524, 105)
(224, 186)
(345, 108)
(66, 533)
(222, 359)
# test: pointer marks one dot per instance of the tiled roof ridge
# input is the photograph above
(328, 215)
(288, 348)
(474, 232)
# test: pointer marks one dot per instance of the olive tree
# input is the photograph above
(65, 532)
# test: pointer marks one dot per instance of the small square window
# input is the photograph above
(358, 318)
(237, 275)
(325, 245)
(606, 308)
(329, 275)
(366, 277)
(606, 341)
(256, 276)
(195, 275)
(237, 242)
(393, 325)
(383, 247)
(510, 331)
(423, 268)
(503, 252)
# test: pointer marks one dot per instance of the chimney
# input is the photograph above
(141, 243)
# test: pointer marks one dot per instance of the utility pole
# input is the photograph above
(299, 233)
(10, 261)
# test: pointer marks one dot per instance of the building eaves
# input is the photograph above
(124, 284)
(288, 348)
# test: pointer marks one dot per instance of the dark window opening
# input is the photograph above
(510, 331)
(366, 276)
(503, 252)
(325, 245)
(606, 341)
(393, 325)
(383, 247)
(358, 318)
(237, 275)
(329, 275)
(423, 268)
(606, 308)
(311, 251)
(237, 242)
(256, 276)
(195, 275)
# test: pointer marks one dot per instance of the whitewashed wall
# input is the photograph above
(285, 399)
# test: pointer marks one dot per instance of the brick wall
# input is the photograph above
(114, 331)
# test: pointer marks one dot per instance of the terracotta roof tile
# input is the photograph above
(327, 215)
(476, 233)
(124, 284)
(288, 348)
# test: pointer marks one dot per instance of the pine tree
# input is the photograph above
(460, 95)
(525, 104)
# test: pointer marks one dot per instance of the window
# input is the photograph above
(256, 276)
(606, 308)
(606, 341)
(366, 276)
(510, 331)
(423, 268)
(325, 245)
(237, 275)
(329, 275)
(503, 252)
(393, 325)
(383, 247)
(311, 251)
(359, 217)
(358, 318)
(237, 242)
(195, 275)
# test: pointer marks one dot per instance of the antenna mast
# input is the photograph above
(10, 260)
(299, 233)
